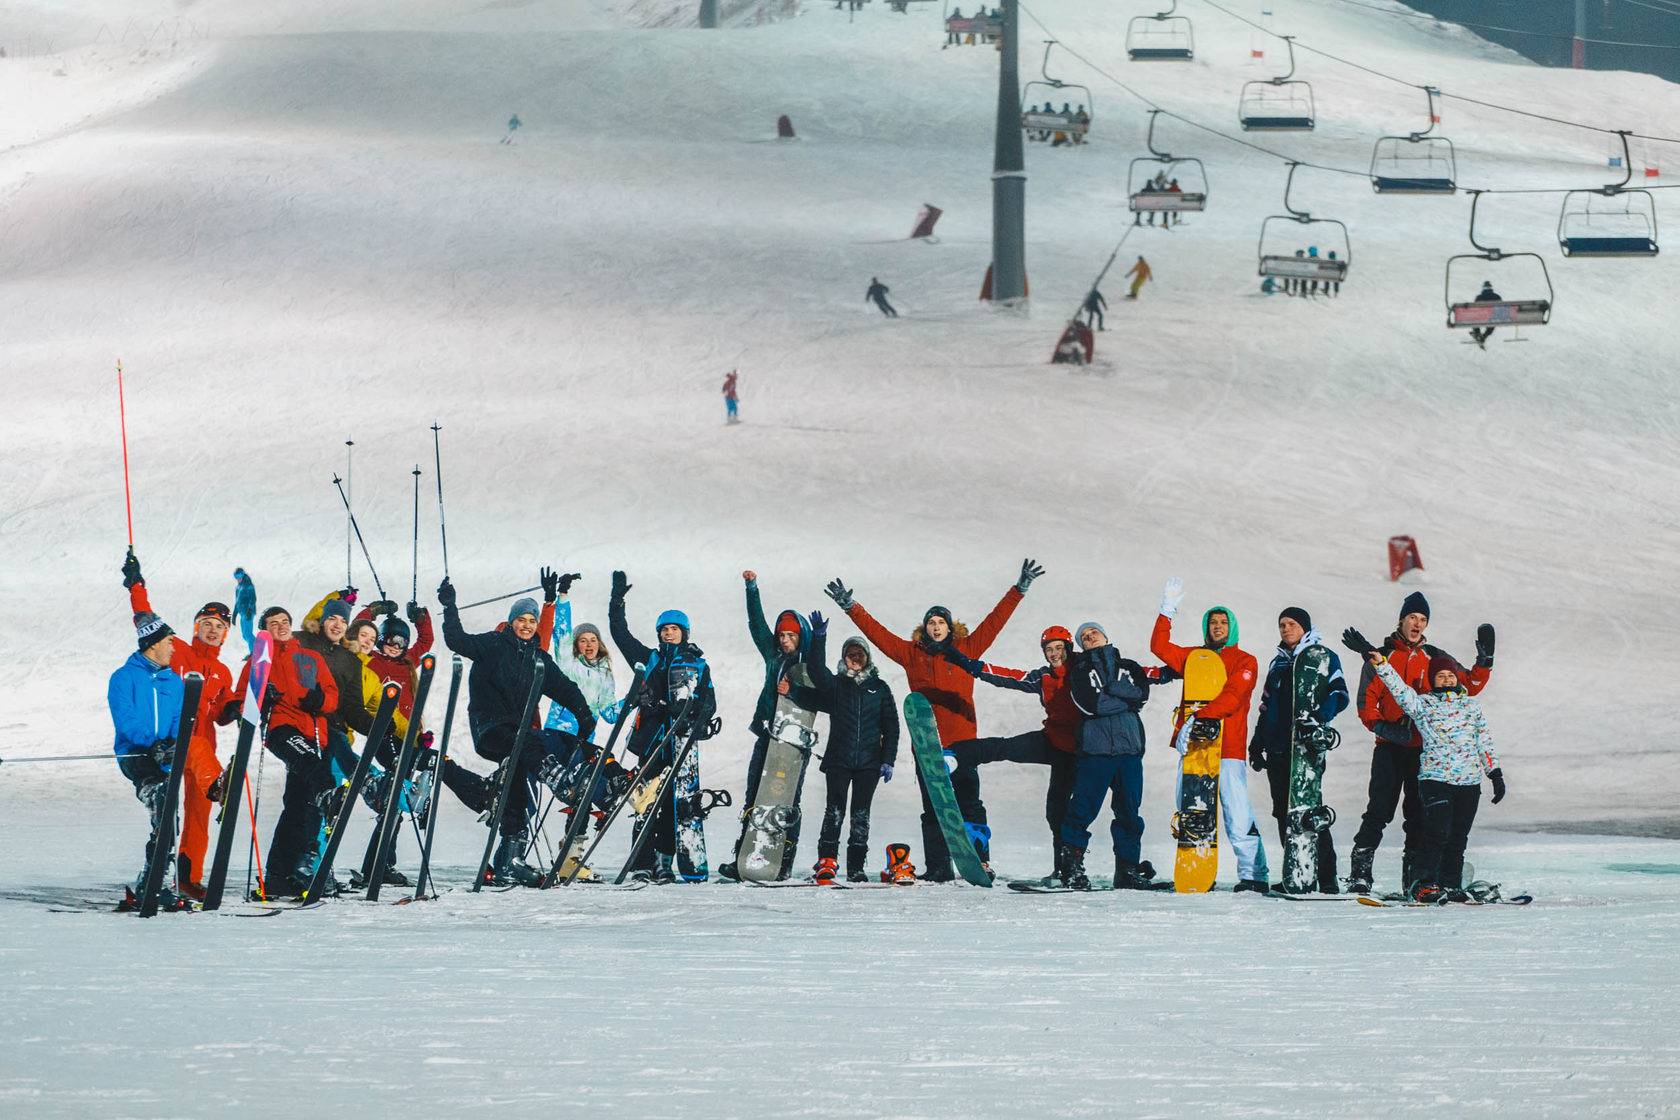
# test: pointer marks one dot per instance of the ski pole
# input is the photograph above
(443, 530)
(350, 487)
(122, 420)
(499, 598)
(339, 482)
(414, 587)
(57, 758)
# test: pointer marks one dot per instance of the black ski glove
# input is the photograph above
(382, 606)
(313, 700)
(1256, 756)
(163, 753)
(1484, 645)
(961, 660)
(566, 581)
(1497, 777)
(620, 585)
(1030, 570)
(271, 697)
(840, 593)
(1163, 674)
(550, 585)
(414, 610)
(446, 593)
(217, 788)
(131, 570)
(1357, 642)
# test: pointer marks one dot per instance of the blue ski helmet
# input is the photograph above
(674, 618)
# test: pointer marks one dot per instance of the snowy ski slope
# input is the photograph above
(299, 227)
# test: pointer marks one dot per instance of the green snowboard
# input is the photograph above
(930, 762)
(1308, 815)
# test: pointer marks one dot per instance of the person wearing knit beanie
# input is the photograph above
(1415, 603)
(524, 606)
(1298, 614)
(149, 631)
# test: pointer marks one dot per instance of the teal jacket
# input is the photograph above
(776, 663)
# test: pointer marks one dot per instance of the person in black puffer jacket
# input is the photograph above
(862, 746)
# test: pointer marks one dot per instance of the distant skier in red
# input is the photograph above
(732, 396)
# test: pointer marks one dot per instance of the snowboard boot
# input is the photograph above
(856, 856)
(1055, 875)
(663, 875)
(1128, 876)
(1073, 868)
(900, 870)
(1254, 885)
(1427, 892)
(825, 870)
(1359, 870)
(1408, 871)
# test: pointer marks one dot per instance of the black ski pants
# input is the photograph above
(886, 308)
(151, 785)
(1277, 777)
(496, 743)
(860, 785)
(1030, 748)
(1394, 771)
(1448, 813)
(308, 776)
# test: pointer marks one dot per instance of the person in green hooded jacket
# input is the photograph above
(1230, 707)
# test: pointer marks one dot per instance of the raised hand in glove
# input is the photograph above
(567, 579)
(620, 585)
(414, 610)
(819, 625)
(348, 594)
(550, 581)
(1497, 777)
(1030, 570)
(840, 593)
(1358, 643)
(1484, 645)
(1172, 594)
(446, 593)
(131, 570)
(382, 606)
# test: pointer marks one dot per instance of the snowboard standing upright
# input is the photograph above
(936, 776)
(233, 781)
(1308, 815)
(773, 819)
(1196, 824)
(691, 824)
(163, 842)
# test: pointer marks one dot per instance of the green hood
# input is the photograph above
(1231, 638)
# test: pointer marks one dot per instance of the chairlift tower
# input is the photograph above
(1009, 171)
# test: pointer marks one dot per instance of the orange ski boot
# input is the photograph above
(899, 868)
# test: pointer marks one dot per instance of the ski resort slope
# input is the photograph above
(302, 227)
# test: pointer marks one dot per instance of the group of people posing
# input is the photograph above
(1432, 748)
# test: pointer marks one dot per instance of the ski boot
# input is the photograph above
(825, 870)
(1073, 868)
(1359, 870)
(900, 870)
(374, 791)
(509, 849)
(331, 803)
(663, 875)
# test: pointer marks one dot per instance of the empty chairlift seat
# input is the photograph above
(1162, 37)
(1414, 165)
(1608, 223)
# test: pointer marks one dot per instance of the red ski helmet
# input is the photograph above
(1055, 634)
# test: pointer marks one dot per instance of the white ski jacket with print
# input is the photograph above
(1457, 746)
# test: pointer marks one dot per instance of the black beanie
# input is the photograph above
(1298, 614)
(1415, 604)
(941, 612)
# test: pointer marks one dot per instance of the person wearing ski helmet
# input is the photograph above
(217, 704)
(786, 652)
(1394, 759)
(1049, 745)
(301, 691)
(497, 689)
(1272, 748)
(1457, 753)
(676, 703)
(1230, 709)
(949, 690)
(145, 698)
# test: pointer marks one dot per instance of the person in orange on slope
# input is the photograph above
(948, 688)
(202, 656)
(1230, 707)
(1141, 274)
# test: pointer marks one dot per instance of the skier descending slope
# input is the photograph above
(145, 701)
(1230, 707)
(217, 703)
(496, 692)
(785, 653)
(949, 690)
(1052, 745)
(1457, 752)
(300, 690)
(676, 700)
(1394, 761)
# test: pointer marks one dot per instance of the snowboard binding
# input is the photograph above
(1192, 824)
(701, 804)
(1204, 730)
(1316, 819)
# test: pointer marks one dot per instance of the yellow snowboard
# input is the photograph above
(1196, 824)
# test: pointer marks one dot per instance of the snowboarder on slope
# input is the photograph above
(145, 701)
(1093, 308)
(877, 294)
(1141, 274)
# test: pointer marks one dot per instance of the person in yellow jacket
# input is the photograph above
(1141, 274)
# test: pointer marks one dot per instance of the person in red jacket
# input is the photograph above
(204, 657)
(1394, 759)
(1052, 745)
(300, 689)
(1230, 708)
(947, 687)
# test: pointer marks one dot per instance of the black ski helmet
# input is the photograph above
(393, 627)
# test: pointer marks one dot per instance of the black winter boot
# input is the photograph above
(1359, 870)
(856, 857)
(1073, 868)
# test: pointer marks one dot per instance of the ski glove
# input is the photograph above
(413, 611)
(1497, 777)
(348, 595)
(840, 593)
(1030, 570)
(950, 762)
(612, 711)
(313, 700)
(550, 585)
(131, 570)
(382, 606)
(819, 625)
(886, 771)
(620, 585)
(567, 579)
(163, 753)
(1357, 642)
(446, 593)
(956, 657)
(1181, 741)
(425, 740)
(1172, 594)
(1484, 645)
(217, 788)
(1257, 757)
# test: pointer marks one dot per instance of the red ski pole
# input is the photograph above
(122, 419)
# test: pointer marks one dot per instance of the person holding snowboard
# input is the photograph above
(217, 703)
(1457, 753)
(245, 607)
(145, 701)
(877, 294)
(1140, 272)
(1051, 745)
(1272, 748)
(301, 690)
(862, 746)
(1394, 759)
(676, 701)
(949, 690)
(497, 687)
(785, 653)
(1230, 708)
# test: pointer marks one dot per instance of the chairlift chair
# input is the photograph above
(1162, 37)
(1285, 257)
(1193, 192)
(1282, 104)
(1622, 223)
(1034, 119)
(1417, 163)
(1462, 312)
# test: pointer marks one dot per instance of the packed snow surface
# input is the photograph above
(297, 227)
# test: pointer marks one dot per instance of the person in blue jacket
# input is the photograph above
(1271, 747)
(145, 699)
(245, 606)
